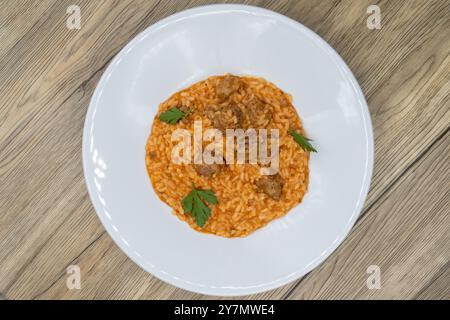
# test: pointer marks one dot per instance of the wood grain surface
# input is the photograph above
(47, 76)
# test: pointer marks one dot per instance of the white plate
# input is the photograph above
(181, 50)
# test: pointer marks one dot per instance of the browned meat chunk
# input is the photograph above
(228, 85)
(227, 117)
(258, 113)
(184, 108)
(270, 185)
(207, 170)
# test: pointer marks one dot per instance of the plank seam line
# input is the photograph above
(389, 187)
(38, 251)
(81, 86)
(413, 163)
(85, 82)
(432, 281)
(70, 263)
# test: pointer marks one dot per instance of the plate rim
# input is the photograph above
(339, 62)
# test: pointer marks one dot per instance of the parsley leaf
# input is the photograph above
(302, 141)
(173, 115)
(208, 196)
(193, 205)
(187, 202)
(200, 212)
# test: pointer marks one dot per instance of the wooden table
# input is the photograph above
(47, 76)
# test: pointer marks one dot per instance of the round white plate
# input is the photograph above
(179, 51)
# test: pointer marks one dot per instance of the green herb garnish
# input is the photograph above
(173, 115)
(302, 141)
(194, 204)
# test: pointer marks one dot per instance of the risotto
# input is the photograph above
(229, 199)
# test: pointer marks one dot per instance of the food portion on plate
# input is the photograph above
(228, 197)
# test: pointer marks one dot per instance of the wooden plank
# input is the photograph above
(406, 234)
(40, 162)
(438, 288)
(46, 83)
(398, 88)
(18, 18)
